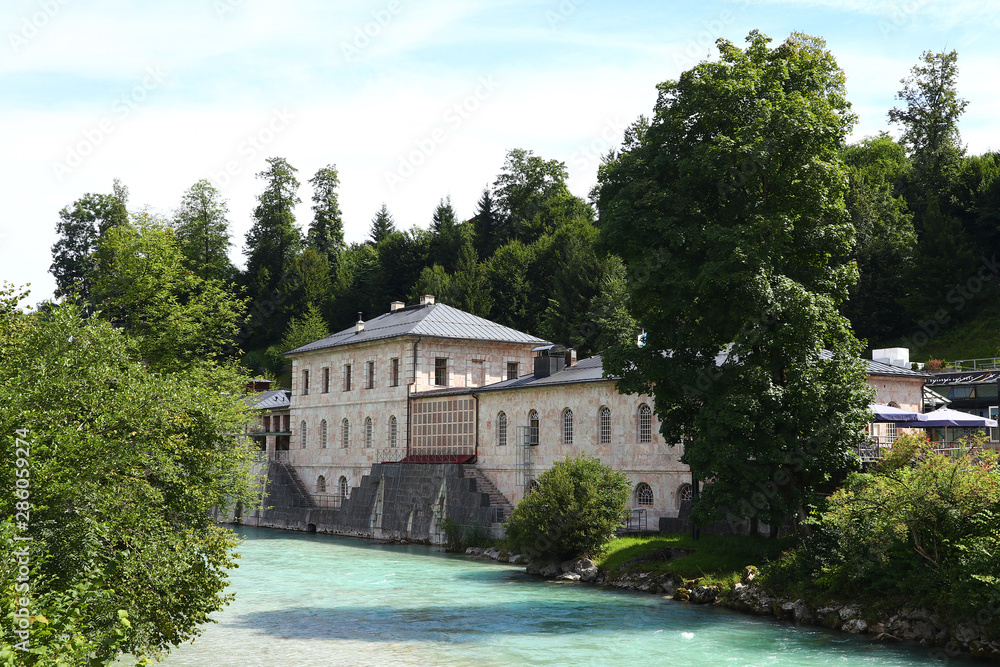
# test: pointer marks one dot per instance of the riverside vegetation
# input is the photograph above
(907, 551)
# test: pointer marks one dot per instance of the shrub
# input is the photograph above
(575, 511)
(921, 527)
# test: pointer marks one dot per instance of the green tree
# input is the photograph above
(126, 464)
(326, 232)
(176, 318)
(382, 225)
(487, 225)
(609, 321)
(930, 124)
(271, 244)
(203, 231)
(447, 235)
(877, 167)
(943, 263)
(728, 208)
(470, 288)
(80, 226)
(526, 183)
(509, 276)
(578, 506)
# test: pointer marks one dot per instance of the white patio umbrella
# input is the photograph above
(947, 417)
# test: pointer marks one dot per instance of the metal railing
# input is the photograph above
(636, 522)
(875, 451)
(986, 364)
(390, 454)
(282, 456)
(328, 501)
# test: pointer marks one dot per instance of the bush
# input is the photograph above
(575, 511)
(459, 537)
(922, 528)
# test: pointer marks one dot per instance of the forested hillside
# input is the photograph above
(926, 216)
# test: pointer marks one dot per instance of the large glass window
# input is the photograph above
(604, 424)
(321, 484)
(645, 423)
(567, 427)
(501, 430)
(643, 495)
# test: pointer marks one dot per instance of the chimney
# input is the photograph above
(893, 356)
(427, 300)
(359, 326)
(396, 305)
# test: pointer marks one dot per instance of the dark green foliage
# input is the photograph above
(382, 225)
(885, 240)
(326, 231)
(80, 227)
(487, 225)
(203, 231)
(458, 537)
(574, 512)
(728, 209)
(447, 236)
(920, 528)
(930, 124)
(523, 188)
(126, 464)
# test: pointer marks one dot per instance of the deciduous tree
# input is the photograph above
(728, 208)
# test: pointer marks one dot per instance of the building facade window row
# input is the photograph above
(392, 433)
(644, 431)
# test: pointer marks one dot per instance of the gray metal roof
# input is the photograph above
(434, 320)
(878, 368)
(586, 370)
(276, 399)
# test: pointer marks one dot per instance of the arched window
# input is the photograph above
(533, 485)
(501, 430)
(343, 487)
(533, 428)
(322, 434)
(643, 495)
(302, 434)
(393, 431)
(321, 484)
(684, 494)
(604, 424)
(645, 423)
(567, 427)
(368, 432)
(345, 433)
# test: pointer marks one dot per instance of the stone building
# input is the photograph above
(430, 384)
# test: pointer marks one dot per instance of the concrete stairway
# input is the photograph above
(302, 497)
(498, 501)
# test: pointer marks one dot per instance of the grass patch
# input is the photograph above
(720, 559)
(978, 338)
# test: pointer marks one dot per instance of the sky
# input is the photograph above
(412, 101)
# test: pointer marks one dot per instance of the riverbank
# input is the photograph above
(664, 571)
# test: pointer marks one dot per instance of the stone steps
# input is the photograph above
(299, 488)
(497, 499)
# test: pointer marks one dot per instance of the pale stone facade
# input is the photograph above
(361, 398)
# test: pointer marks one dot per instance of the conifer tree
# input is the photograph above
(382, 225)
(202, 229)
(326, 232)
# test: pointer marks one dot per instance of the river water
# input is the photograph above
(322, 600)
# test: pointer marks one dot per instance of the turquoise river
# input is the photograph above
(321, 600)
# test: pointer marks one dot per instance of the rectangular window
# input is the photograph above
(347, 377)
(288, 423)
(511, 370)
(370, 375)
(394, 372)
(441, 372)
(267, 424)
(305, 383)
(326, 380)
